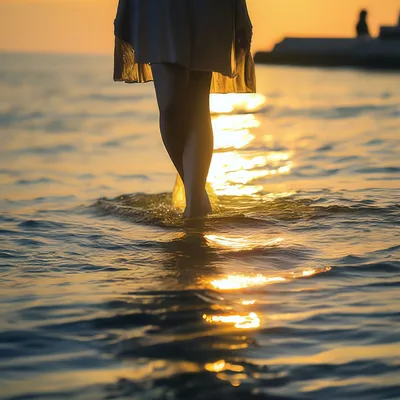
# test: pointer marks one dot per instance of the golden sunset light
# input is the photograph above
(86, 26)
(236, 282)
(192, 211)
(222, 365)
(249, 321)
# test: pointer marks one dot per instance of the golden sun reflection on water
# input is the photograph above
(248, 302)
(236, 282)
(232, 172)
(222, 365)
(233, 130)
(309, 273)
(235, 168)
(228, 103)
(241, 243)
(248, 321)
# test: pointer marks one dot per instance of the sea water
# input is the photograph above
(289, 291)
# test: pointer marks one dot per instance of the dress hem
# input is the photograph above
(242, 80)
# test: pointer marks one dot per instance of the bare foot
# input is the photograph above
(199, 210)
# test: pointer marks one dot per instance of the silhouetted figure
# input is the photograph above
(362, 26)
(182, 46)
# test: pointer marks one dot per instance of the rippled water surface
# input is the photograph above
(289, 291)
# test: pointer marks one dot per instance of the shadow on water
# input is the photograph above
(189, 256)
(186, 343)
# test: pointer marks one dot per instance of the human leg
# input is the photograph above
(199, 145)
(185, 124)
(171, 84)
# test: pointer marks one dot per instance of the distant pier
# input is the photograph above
(383, 52)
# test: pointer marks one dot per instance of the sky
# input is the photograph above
(86, 26)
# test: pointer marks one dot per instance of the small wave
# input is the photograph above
(327, 147)
(347, 159)
(110, 98)
(34, 181)
(14, 116)
(374, 142)
(40, 224)
(386, 251)
(142, 208)
(49, 150)
(379, 170)
(9, 254)
(380, 268)
(132, 177)
(56, 199)
(62, 125)
(329, 112)
(9, 172)
(158, 209)
(30, 243)
(7, 232)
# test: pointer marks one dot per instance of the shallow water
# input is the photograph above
(289, 291)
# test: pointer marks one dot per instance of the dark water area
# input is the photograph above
(290, 290)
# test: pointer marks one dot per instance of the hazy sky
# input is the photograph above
(86, 25)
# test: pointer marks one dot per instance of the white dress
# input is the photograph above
(200, 35)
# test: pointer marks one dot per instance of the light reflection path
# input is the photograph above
(233, 131)
(235, 282)
(222, 365)
(233, 171)
(229, 103)
(251, 320)
(241, 243)
(235, 167)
